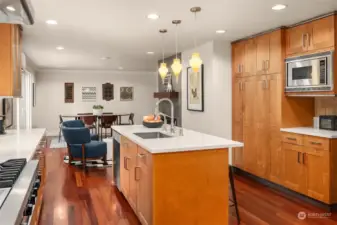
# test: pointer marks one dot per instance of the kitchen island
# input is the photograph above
(175, 180)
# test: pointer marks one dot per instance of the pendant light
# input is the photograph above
(163, 70)
(176, 66)
(195, 61)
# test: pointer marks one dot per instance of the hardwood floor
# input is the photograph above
(73, 197)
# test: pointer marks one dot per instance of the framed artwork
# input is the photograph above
(69, 92)
(88, 94)
(108, 91)
(195, 89)
(126, 93)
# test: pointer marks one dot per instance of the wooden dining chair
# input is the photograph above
(60, 127)
(107, 122)
(130, 120)
(89, 121)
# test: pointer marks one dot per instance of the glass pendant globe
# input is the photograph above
(176, 68)
(163, 71)
(195, 62)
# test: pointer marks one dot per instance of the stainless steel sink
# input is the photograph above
(152, 135)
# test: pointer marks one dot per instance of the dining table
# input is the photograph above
(99, 118)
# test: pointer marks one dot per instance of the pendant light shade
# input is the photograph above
(163, 71)
(176, 66)
(195, 62)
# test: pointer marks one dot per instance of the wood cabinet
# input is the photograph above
(262, 53)
(307, 169)
(10, 57)
(249, 67)
(311, 37)
(125, 167)
(238, 58)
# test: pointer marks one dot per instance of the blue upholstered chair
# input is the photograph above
(80, 145)
(78, 123)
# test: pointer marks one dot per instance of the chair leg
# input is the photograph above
(83, 157)
(105, 159)
(231, 179)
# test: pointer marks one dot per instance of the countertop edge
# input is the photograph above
(315, 134)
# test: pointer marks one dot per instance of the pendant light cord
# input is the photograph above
(195, 35)
(163, 47)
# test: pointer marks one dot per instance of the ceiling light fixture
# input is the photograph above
(195, 61)
(220, 31)
(10, 8)
(51, 22)
(105, 58)
(150, 53)
(163, 68)
(59, 47)
(279, 7)
(120, 68)
(176, 66)
(153, 16)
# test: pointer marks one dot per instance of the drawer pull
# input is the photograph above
(298, 157)
(303, 158)
(137, 178)
(315, 143)
(291, 139)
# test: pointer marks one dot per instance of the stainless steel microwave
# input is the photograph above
(310, 73)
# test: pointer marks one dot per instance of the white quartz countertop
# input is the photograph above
(311, 131)
(190, 141)
(20, 143)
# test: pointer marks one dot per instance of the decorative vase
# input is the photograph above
(97, 112)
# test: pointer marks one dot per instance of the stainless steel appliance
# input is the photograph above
(16, 12)
(116, 158)
(328, 122)
(19, 187)
(310, 73)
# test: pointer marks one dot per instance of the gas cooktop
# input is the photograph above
(9, 172)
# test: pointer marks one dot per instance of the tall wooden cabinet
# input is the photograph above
(10, 58)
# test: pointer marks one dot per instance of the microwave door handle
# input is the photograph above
(303, 40)
(308, 38)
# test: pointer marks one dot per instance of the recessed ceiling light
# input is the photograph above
(10, 8)
(120, 68)
(59, 47)
(51, 22)
(279, 7)
(153, 16)
(105, 57)
(150, 53)
(220, 31)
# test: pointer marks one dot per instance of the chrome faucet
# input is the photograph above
(172, 111)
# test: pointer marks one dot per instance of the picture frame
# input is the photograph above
(126, 93)
(195, 89)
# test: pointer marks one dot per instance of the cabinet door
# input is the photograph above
(322, 34)
(132, 153)
(262, 53)
(295, 177)
(275, 62)
(296, 39)
(250, 58)
(144, 188)
(237, 153)
(124, 167)
(276, 157)
(238, 58)
(249, 95)
(318, 177)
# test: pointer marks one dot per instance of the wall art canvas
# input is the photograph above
(195, 89)
(126, 93)
(108, 91)
(88, 94)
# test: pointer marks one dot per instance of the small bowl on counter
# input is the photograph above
(157, 124)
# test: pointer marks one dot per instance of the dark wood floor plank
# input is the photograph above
(75, 197)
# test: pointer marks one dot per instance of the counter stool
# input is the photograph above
(235, 203)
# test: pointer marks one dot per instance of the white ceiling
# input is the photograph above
(90, 29)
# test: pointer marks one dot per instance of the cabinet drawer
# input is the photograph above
(316, 142)
(296, 139)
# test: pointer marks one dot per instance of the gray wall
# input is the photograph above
(165, 106)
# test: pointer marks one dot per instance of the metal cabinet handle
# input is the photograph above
(298, 157)
(315, 143)
(303, 40)
(239, 68)
(267, 64)
(291, 139)
(240, 86)
(126, 165)
(263, 65)
(303, 158)
(308, 38)
(137, 178)
(141, 155)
